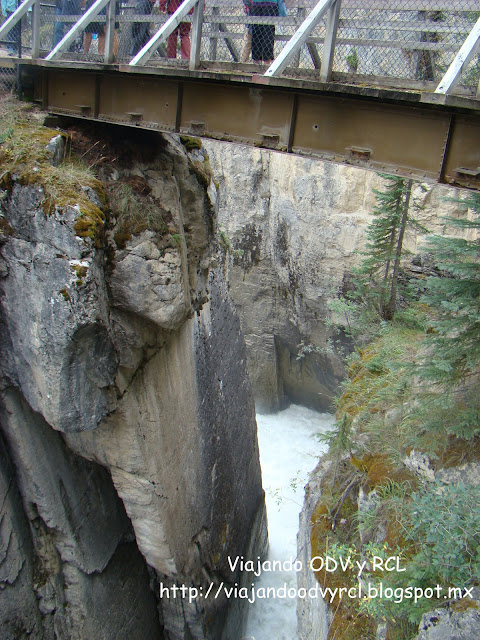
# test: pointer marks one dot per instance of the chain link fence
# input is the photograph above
(416, 41)
(396, 42)
(410, 41)
(8, 78)
(17, 43)
(9, 46)
(135, 23)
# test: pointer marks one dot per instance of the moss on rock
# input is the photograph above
(26, 160)
(190, 143)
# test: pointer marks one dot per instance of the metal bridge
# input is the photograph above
(391, 85)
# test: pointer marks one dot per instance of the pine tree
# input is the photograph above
(377, 277)
(455, 297)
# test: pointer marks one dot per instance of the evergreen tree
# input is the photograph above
(377, 277)
(455, 297)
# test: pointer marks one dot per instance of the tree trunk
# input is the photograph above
(389, 309)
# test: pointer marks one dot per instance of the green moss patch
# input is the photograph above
(203, 171)
(90, 222)
(64, 293)
(190, 143)
(24, 158)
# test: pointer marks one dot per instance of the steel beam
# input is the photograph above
(422, 141)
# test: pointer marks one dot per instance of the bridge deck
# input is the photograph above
(378, 108)
(406, 44)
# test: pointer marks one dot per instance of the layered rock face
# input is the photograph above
(129, 459)
(295, 225)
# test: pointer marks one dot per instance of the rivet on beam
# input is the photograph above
(270, 139)
(359, 153)
(471, 173)
(197, 127)
(85, 109)
(467, 177)
(134, 116)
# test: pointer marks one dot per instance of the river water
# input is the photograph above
(289, 450)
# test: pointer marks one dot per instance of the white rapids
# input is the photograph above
(289, 450)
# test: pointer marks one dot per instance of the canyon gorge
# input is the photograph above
(145, 313)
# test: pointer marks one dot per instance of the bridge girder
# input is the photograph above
(420, 135)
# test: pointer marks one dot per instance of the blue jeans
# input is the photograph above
(12, 36)
(58, 29)
(263, 35)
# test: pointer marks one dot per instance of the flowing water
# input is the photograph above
(289, 450)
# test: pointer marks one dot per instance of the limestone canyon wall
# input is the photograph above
(295, 226)
(128, 451)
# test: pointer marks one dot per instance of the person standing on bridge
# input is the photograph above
(65, 8)
(263, 35)
(140, 30)
(183, 30)
(99, 29)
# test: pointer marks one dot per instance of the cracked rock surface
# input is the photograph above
(128, 451)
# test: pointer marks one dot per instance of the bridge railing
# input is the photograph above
(415, 41)
(407, 43)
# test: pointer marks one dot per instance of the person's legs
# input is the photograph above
(268, 43)
(101, 43)
(115, 42)
(172, 44)
(140, 29)
(262, 30)
(58, 29)
(256, 37)
(87, 41)
(266, 36)
(270, 54)
(185, 40)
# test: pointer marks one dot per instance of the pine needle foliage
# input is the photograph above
(454, 340)
(377, 277)
(411, 407)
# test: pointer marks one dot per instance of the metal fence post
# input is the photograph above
(299, 38)
(461, 60)
(36, 29)
(197, 24)
(109, 32)
(19, 36)
(301, 16)
(329, 44)
(212, 54)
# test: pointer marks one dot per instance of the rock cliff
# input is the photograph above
(129, 460)
(295, 226)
